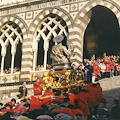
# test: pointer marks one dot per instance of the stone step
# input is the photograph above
(111, 90)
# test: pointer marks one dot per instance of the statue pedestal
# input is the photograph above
(61, 66)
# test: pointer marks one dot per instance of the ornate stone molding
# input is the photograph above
(29, 6)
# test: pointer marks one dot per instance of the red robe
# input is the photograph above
(35, 103)
(21, 110)
(88, 85)
(119, 68)
(100, 96)
(72, 98)
(92, 99)
(48, 93)
(82, 99)
(107, 64)
(37, 87)
(112, 65)
(11, 103)
(10, 110)
(57, 100)
(69, 111)
(96, 70)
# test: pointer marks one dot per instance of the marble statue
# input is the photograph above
(60, 55)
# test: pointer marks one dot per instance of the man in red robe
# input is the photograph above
(82, 99)
(37, 86)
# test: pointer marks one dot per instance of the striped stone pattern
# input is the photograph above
(3, 20)
(82, 21)
(27, 58)
(74, 37)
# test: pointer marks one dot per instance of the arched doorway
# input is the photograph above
(102, 33)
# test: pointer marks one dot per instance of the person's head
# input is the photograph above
(13, 100)
(66, 100)
(27, 105)
(1, 105)
(72, 91)
(66, 95)
(44, 106)
(58, 93)
(37, 80)
(7, 106)
(54, 90)
(92, 58)
(49, 89)
(65, 90)
(24, 100)
(38, 66)
(70, 106)
(85, 60)
(74, 66)
(24, 84)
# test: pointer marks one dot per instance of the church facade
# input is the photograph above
(29, 22)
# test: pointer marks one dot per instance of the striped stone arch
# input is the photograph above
(84, 16)
(44, 13)
(17, 21)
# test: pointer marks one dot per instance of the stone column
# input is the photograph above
(2, 64)
(35, 49)
(12, 63)
(34, 59)
(13, 52)
(45, 59)
(46, 45)
(3, 53)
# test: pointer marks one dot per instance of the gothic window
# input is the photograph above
(51, 26)
(10, 40)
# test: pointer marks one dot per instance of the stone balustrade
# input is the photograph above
(9, 78)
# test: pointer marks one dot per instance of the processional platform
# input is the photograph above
(59, 79)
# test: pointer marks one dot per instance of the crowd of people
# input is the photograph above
(68, 104)
(8, 71)
(108, 66)
(41, 67)
(73, 103)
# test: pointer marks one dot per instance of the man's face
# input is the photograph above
(8, 107)
(24, 84)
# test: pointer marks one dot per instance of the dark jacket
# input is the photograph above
(22, 92)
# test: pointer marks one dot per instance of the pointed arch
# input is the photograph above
(84, 16)
(17, 21)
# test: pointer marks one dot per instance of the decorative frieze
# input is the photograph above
(30, 6)
(26, 8)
